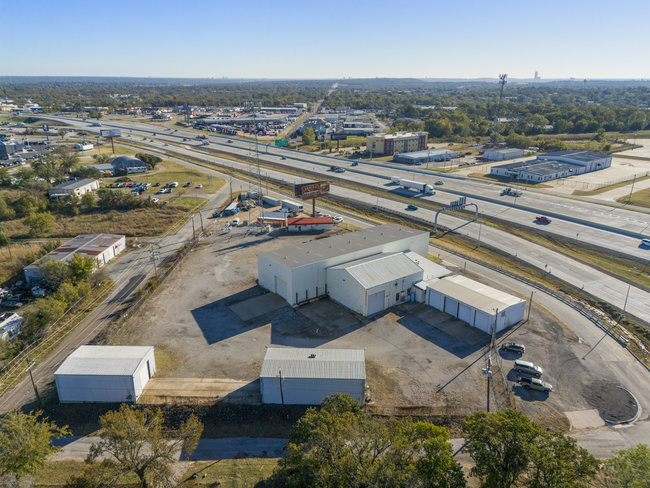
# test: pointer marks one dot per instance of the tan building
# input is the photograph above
(399, 142)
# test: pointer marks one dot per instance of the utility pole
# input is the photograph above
(201, 217)
(29, 368)
(530, 305)
(626, 296)
(629, 198)
(502, 82)
(154, 256)
(281, 389)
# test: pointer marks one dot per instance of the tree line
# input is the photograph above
(336, 445)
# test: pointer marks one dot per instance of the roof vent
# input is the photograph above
(312, 356)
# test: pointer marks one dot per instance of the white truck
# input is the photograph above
(270, 201)
(296, 207)
(421, 187)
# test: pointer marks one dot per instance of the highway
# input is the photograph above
(572, 271)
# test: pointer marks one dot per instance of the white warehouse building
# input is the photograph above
(502, 154)
(370, 285)
(306, 376)
(299, 273)
(109, 374)
(475, 303)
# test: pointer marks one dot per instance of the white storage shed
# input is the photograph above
(370, 285)
(475, 303)
(299, 273)
(306, 376)
(108, 374)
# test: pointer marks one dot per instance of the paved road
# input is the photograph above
(128, 272)
(595, 282)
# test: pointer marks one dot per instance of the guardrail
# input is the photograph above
(578, 307)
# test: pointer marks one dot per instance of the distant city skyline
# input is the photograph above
(305, 40)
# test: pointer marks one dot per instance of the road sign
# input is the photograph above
(46, 127)
(282, 142)
(312, 190)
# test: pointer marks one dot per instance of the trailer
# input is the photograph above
(395, 179)
(272, 202)
(231, 209)
(296, 207)
(414, 185)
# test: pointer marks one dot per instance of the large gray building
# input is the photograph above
(425, 156)
(502, 154)
(553, 165)
(299, 273)
(8, 148)
(306, 376)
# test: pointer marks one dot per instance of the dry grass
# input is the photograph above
(607, 188)
(640, 198)
(230, 473)
(137, 222)
(16, 256)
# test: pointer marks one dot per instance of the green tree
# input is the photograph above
(149, 159)
(559, 462)
(501, 445)
(87, 202)
(40, 224)
(25, 442)
(4, 239)
(102, 158)
(81, 267)
(53, 273)
(6, 212)
(339, 445)
(5, 177)
(134, 441)
(308, 136)
(629, 468)
(29, 204)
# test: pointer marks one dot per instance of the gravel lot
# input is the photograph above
(419, 360)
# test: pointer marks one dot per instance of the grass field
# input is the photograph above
(16, 256)
(606, 188)
(640, 198)
(229, 473)
(137, 222)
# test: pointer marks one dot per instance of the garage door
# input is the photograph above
(280, 287)
(466, 313)
(375, 302)
(451, 306)
(434, 299)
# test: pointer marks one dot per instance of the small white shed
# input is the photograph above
(306, 376)
(109, 374)
(475, 303)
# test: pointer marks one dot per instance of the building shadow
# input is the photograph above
(439, 328)
(218, 322)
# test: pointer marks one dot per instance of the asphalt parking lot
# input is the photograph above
(209, 319)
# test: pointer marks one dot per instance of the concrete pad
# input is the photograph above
(456, 329)
(584, 419)
(258, 306)
(181, 391)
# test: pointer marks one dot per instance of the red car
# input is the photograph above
(542, 219)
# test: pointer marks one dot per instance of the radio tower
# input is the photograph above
(502, 82)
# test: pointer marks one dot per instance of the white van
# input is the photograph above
(645, 242)
(528, 368)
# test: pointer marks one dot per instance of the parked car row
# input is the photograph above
(530, 373)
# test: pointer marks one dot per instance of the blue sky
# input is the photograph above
(327, 38)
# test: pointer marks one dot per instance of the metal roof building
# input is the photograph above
(299, 273)
(78, 187)
(501, 154)
(554, 165)
(479, 305)
(105, 374)
(425, 156)
(306, 376)
(370, 285)
(101, 247)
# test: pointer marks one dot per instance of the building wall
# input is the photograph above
(309, 227)
(309, 391)
(141, 376)
(94, 388)
(347, 291)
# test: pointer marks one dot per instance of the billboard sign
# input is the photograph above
(110, 133)
(339, 137)
(312, 190)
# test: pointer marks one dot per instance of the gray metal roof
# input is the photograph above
(431, 269)
(104, 360)
(583, 156)
(315, 251)
(325, 363)
(379, 269)
(539, 167)
(474, 294)
(73, 184)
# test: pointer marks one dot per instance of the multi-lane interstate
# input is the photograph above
(611, 228)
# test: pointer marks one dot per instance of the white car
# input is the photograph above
(337, 219)
(155, 200)
(235, 221)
